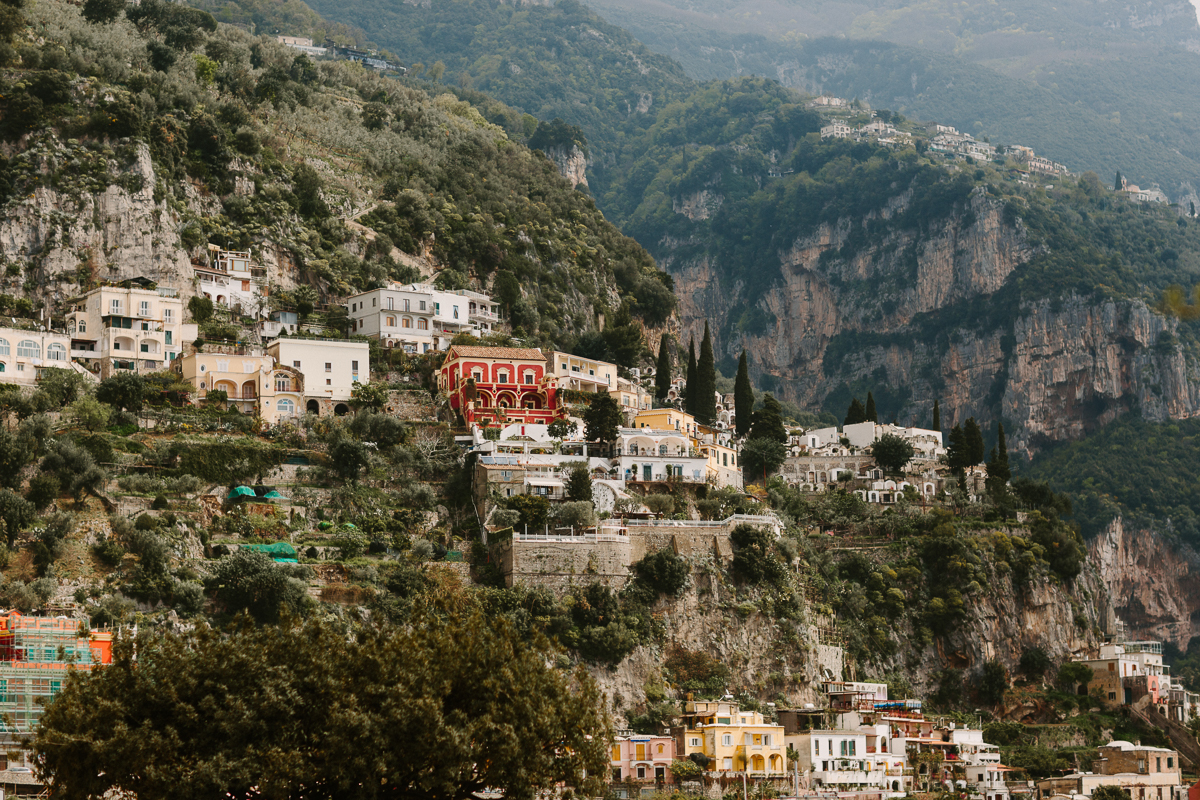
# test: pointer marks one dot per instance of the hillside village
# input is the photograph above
(580, 473)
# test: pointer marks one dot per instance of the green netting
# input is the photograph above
(277, 551)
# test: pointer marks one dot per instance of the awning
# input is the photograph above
(544, 481)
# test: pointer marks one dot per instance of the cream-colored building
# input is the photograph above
(331, 368)
(132, 326)
(23, 354)
(632, 397)
(254, 384)
(582, 374)
(723, 466)
(419, 317)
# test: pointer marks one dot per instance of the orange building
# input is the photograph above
(499, 385)
(36, 655)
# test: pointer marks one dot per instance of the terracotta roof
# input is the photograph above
(515, 353)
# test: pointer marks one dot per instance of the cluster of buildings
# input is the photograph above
(860, 743)
(1135, 192)
(1125, 672)
(876, 130)
(372, 59)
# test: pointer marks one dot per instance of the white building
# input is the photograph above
(331, 368)
(419, 317)
(25, 353)
(230, 279)
(583, 374)
(646, 454)
(130, 326)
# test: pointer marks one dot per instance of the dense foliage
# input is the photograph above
(464, 702)
(1143, 470)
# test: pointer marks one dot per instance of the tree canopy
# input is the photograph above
(444, 708)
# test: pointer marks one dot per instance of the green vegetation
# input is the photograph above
(186, 718)
(1142, 470)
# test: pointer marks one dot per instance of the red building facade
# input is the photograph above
(499, 385)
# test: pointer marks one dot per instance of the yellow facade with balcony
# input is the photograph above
(733, 740)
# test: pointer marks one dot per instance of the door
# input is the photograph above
(647, 472)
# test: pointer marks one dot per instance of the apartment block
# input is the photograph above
(419, 317)
(330, 369)
(135, 326)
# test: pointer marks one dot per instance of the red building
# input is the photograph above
(499, 385)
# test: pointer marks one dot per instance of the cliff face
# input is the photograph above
(1154, 583)
(772, 658)
(571, 163)
(905, 312)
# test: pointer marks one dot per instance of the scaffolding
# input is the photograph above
(36, 655)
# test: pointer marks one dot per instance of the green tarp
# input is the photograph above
(273, 495)
(278, 551)
(241, 491)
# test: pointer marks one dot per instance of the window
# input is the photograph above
(56, 352)
(374, 302)
(329, 366)
(353, 308)
(145, 326)
(641, 771)
(168, 316)
(616, 756)
(456, 312)
(816, 747)
(144, 308)
(1170, 762)
(405, 323)
(502, 377)
(114, 307)
(390, 304)
(283, 385)
(391, 322)
(1141, 765)
(145, 347)
(222, 366)
(422, 324)
(29, 349)
(843, 748)
(422, 305)
(728, 763)
(726, 459)
(296, 364)
(82, 327)
(328, 382)
(1158, 764)
(4, 347)
(694, 741)
(2, 366)
(727, 740)
(437, 308)
(170, 338)
(354, 366)
(285, 406)
(408, 306)
(853, 748)
(528, 378)
(477, 376)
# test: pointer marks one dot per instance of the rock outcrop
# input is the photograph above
(915, 310)
(1154, 582)
(571, 162)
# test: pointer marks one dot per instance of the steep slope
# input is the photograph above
(221, 137)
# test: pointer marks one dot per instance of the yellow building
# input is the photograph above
(734, 740)
(667, 419)
(632, 397)
(252, 384)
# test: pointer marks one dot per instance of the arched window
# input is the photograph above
(29, 349)
(83, 326)
(422, 324)
(56, 352)
(405, 322)
(285, 406)
(4, 351)
(391, 321)
(1, 366)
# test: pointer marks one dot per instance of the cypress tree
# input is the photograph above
(974, 441)
(937, 417)
(956, 449)
(689, 402)
(662, 377)
(743, 397)
(1117, 182)
(705, 404)
(1001, 472)
(872, 414)
(768, 421)
(855, 413)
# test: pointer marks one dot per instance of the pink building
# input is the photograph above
(642, 759)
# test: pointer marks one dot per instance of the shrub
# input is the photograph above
(1034, 663)
(663, 572)
(992, 682)
(753, 558)
(662, 504)
(160, 502)
(110, 552)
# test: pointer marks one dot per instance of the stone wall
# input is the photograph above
(565, 561)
